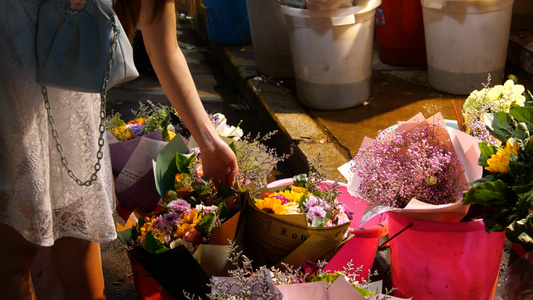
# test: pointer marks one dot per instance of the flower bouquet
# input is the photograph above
(417, 172)
(201, 235)
(133, 145)
(309, 280)
(495, 99)
(189, 230)
(419, 168)
(298, 220)
(506, 190)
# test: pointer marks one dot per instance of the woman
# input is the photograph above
(40, 205)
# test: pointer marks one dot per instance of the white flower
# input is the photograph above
(292, 208)
(498, 98)
(222, 128)
(178, 242)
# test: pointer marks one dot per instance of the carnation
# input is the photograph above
(417, 164)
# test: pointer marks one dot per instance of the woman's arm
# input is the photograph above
(160, 39)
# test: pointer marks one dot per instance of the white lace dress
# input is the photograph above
(37, 197)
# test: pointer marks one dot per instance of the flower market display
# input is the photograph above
(445, 198)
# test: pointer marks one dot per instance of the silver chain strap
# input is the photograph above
(101, 128)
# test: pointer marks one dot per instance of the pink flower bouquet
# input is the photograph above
(419, 168)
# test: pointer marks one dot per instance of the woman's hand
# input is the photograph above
(219, 163)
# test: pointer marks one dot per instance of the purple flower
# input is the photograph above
(309, 269)
(166, 222)
(315, 211)
(179, 206)
(415, 164)
(311, 201)
(135, 129)
(283, 199)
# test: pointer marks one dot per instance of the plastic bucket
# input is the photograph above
(332, 54)
(400, 33)
(441, 260)
(227, 22)
(146, 286)
(361, 248)
(269, 38)
(466, 41)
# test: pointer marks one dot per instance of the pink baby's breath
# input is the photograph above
(416, 164)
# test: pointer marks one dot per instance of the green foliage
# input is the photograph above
(508, 196)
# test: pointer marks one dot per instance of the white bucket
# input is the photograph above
(269, 38)
(465, 41)
(332, 54)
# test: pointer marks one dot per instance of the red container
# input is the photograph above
(147, 287)
(400, 33)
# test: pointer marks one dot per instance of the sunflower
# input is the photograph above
(271, 206)
(499, 162)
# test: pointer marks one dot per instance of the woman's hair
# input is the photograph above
(128, 12)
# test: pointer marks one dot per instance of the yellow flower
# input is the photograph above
(271, 206)
(499, 162)
(144, 230)
(294, 195)
(298, 189)
(122, 133)
(178, 178)
(171, 135)
(189, 222)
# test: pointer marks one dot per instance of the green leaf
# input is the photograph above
(183, 162)
(233, 147)
(224, 212)
(516, 167)
(164, 130)
(520, 134)
(125, 236)
(225, 191)
(300, 180)
(499, 124)
(303, 199)
(486, 152)
(488, 193)
(318, 222)
(522, 114)
(201, 188)
(206, 224)
(362, 291)
(521, 232)
(154, 245)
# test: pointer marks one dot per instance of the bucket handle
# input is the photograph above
(397, 233)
